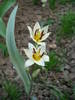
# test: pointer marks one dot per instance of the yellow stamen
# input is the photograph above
(38, 35)
(37, 56)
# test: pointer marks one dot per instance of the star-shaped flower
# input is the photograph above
(39, 34)
(36, 55)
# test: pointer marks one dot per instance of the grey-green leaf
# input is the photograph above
(2, 28)
(6, 4)
(15, 57)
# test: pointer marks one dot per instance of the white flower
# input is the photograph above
(36, 55)
(43, 1)
(38, 34)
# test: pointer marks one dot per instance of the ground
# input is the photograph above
(27, 15)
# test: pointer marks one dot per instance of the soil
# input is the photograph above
(28, 14)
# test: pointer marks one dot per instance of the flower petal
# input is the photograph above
(31, 46)
(40, 43)
(41, 62)
(45, 36)
(37, 26)
(30, 31)
(28, 53)
(46, 58)
(42, 48)
(45, 29)
(29, 62)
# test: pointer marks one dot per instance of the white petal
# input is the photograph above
(30, 31)
(31, 46)
(37, 26)
(45, 29)
(41, 62)
(29, 62)
(28, 53)
(46, 58)
(43, 1)
(45, 36)
(41, 43)
(42, 48)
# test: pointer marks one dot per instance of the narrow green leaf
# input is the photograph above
(5, 6)
(15, 57)
(2, 28)
(12, 90)
(4, 49)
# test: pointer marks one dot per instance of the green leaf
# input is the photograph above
(52, 4)
(4, 49)
(5, 6)
(74, 90)
(54, 63)
(12, 90)
(2, 28)
(35, 2)
(15, 57)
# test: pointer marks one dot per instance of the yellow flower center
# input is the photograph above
(38, 35)
(36, 56)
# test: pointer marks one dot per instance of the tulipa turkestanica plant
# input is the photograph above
(36, 53)
(45, 74)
